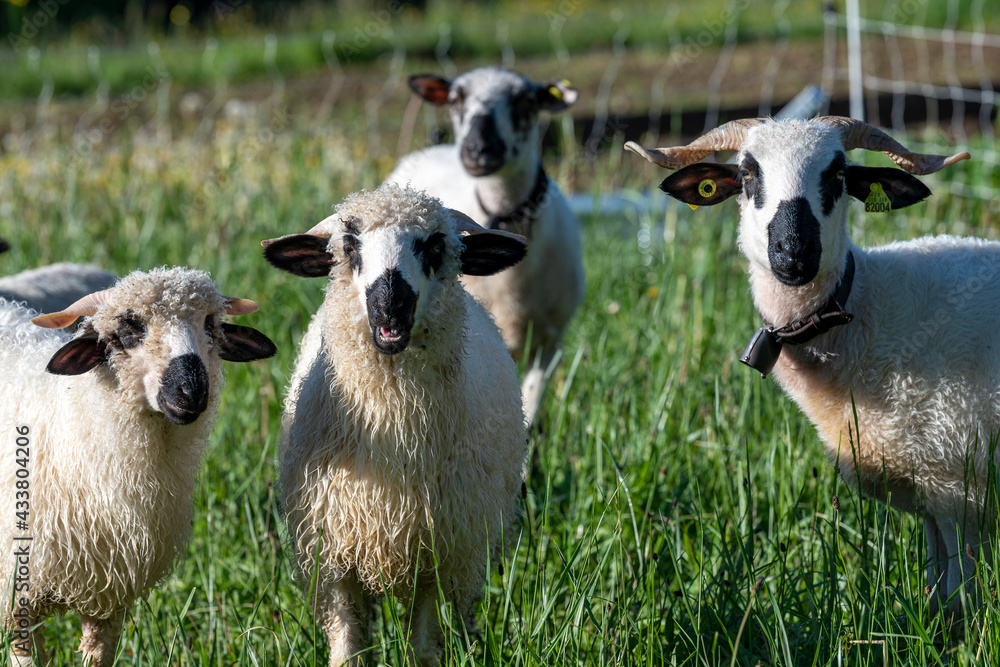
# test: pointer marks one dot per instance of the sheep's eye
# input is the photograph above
(456, 99)
(840, 175)
(352, 247)
(130, 331)
(523, 110)
(210, 325)
(431, 252)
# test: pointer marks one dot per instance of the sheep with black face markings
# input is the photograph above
(403, 437)
(493, 172)
(927, 407)
(114, 422)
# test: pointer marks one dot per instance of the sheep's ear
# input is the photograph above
(556, 95)
(902, 188)
(486, 253)
(244, 344)
(432, 88)
(703, 184)
(80, 355)
(300, 254)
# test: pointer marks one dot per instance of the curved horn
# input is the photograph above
(725, 137)
(324, 228)
(858, 134)
(236, 306)
(88, 305)
(464, 223)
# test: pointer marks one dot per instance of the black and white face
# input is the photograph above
(167, 357)
(494, 113)
(793, 183)
(793, 217)
(396, 270)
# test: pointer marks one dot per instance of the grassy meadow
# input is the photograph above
(679, 510)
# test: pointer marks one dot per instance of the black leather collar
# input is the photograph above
(763, 350)
(520, 218)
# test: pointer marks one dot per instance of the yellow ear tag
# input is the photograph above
(693, 207)
(707, 188)
(877, 201)
(556, 93)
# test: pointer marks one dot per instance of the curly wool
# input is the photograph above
(111, 481)
(388, 458)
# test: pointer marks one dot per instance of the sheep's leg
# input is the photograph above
(937, 562)
(21, 651)
(425, 628)
(960, 567)
(533, 386)
(100, 638)
(343, 610)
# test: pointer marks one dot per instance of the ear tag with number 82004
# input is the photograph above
(762, 352)
(877, 200)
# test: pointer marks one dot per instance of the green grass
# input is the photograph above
(679, 509)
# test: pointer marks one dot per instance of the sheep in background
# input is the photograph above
(51, 288)
(493, 172)
(920, 360)
(403, 436)
(114, 422)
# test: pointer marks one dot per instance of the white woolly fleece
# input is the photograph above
(391, 457)
(542, 292)
(111, 480)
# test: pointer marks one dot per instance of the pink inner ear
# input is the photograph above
(240, 306)
(434, 91)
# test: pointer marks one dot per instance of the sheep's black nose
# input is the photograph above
(392, 306)
(483, 150)
(794, 247)
(183, 394)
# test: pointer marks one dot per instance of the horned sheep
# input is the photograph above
(918, 364)
(403, 437)
(493, 172)
(110, 427)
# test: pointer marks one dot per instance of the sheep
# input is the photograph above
(903, 335)
(403, 438)
(493, 172)
(51, 288)
(110, 427)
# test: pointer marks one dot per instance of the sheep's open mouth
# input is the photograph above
(178, 415)
(390, 340)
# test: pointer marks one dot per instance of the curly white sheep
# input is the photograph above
(403, 437)
(493, 172)
(919, 361)
(113, 423)
(53, 287)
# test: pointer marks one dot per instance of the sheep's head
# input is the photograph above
(495, 113)
(398, 248)
(792, 178)
(161, 336)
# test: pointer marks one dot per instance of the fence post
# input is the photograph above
(854, 60)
